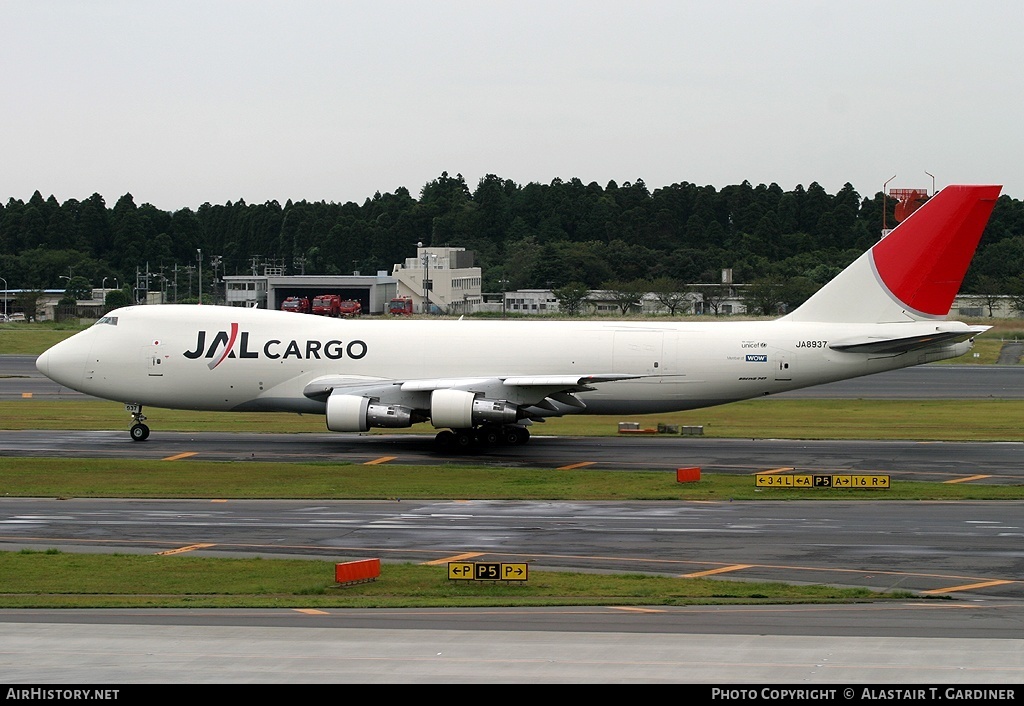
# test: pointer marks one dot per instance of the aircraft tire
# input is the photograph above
(139, 432)
(513, 435)
(445, 440)
(489, 436)
(464, 439)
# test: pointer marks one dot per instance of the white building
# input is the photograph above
(440, 280)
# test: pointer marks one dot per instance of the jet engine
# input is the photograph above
(461, 409)
(357, 413)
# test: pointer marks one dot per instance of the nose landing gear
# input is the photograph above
(139, 431)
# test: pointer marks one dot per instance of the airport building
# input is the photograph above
(268, 291)
(440, 280)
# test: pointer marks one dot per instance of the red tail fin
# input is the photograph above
(924, 260)
(914, 273)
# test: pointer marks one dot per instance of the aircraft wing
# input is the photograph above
(526, 391)
(874, 344)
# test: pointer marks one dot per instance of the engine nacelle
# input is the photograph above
(357, 413)
(461, 409)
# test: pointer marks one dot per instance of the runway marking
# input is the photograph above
(784, 469)
(458, 557)
(26, 395)
(311, 611)
(968, 587)
(635, 609)
(966, 479)
(712, 572)
(218, 501)
(382, 459)
(181, 550)
(181, 455)
(575, 465)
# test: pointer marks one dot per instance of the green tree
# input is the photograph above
(28, 301)
(797, 290)
(626, 295)
(990, 290)
(670, 293)
(571, 298)
(1015, 290)
(764, 296)
(78, 288)
(714, 296)
(115, 299)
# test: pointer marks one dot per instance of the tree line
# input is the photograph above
(785, 244)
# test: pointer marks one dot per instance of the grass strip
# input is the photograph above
(921, 420)
(54, 579)
(189, 478)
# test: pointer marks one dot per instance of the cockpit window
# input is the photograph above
(112, 320)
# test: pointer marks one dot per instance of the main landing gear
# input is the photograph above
(478, 438)
(139, 431)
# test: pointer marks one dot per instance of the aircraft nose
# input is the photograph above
(43, 363)
(64, 363)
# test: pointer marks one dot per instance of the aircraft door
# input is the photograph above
(639, 352)
(154, 359)
(783, 367)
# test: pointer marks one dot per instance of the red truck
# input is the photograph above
(402, 306)
(299, 305)
(326, 305)
(350, 307)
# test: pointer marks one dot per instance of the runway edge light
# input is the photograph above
(688, 475)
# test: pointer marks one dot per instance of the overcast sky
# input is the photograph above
(181, 103)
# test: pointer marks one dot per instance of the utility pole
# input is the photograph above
(215, 260)
(426, 278)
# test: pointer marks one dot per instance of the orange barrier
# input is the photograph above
(357, 571)
(688, 475)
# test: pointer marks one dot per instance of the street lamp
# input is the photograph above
(5, 297)
(883, 202)
(199, 256)
(504, 290)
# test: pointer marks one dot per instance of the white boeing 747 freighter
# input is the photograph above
(484, 382)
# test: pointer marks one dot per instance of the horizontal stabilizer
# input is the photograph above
(874, 344)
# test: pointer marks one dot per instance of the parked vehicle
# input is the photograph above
(350, 307)
(299, 305)
(326, 305)
(400, 306)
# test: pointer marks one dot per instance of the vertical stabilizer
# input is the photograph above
(914, 272)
